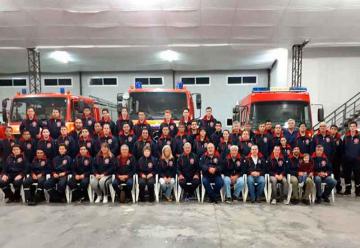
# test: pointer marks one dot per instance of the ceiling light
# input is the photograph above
(169, 55)
(61, 56)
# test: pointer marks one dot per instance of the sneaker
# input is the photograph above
(98, 199)
(258, 200)
(306, 202)
(228, 200)
(122, 197)
(318, 200)
(235, 199)
(273, 202)
(105, 200)
(294, 201)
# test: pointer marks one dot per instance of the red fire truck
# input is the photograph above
(277, 105)
(71, 107)
(154, 101)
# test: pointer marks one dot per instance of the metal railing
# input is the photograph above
(348, 111)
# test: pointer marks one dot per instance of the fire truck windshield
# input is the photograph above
(43, 107)
(280, 112)
(155, 103)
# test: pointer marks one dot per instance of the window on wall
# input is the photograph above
(149, 80)
(103, 81)
(195, 80)
(58, 82)
(232, 80)
(12, 82)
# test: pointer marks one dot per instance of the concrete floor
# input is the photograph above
(184, 225)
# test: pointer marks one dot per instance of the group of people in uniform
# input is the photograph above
(46, 157)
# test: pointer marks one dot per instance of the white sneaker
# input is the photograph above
(105, 200)
(98, 199)
(273, 202)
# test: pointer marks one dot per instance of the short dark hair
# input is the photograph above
(207, 108)
(353, 122)
(105, 110)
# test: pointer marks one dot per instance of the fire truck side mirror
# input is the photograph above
(119, 97)
(321, 114)
(119, 107)
(4, 112)
(198, 101)
(81, 105)
(229, 122)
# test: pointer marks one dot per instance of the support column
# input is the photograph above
(34, 71)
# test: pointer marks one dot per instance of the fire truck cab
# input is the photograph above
(154, 101)
(276, 105)
(71, 107)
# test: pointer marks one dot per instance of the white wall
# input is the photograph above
(332, 75)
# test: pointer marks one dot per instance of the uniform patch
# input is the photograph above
(171, 127)
(86, 162)
(249, 144)
(42, 163)
(229, 146)
(238, 163)
(34, 124)
(211, 124)
(171, 163)
(44, 123)
(12, 143)
(58, 124)
(192, 161)
(280, 163)
(307, 141)
(88, 144)
(67, 142)
(64, 162)
(130, 138)
(323, 163)
(265, 140)
(89, 122)
(327, 139)
(106, 161)
(19, 160)
(184, 141)
(48, 145)
(147, 144)
(128, 162)
(356, 141)
(28, 146)
(215, 160)
(109, 141)
(168, 142)
(150, 165)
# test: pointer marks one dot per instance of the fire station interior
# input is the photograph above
(250, 61)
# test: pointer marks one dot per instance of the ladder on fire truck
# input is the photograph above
(345, 113)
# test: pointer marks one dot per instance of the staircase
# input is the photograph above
(349, 111)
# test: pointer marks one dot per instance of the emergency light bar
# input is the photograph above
(138, 85)
(278, 89)
(179, 85)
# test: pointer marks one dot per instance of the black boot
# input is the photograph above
(347, 190)
(357, 190)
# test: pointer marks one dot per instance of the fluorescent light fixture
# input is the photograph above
(61, 56)
(169, 55)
